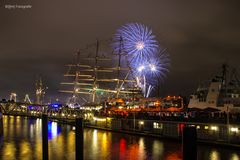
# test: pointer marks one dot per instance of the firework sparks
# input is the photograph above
(149, 62)
(136, 40)
(151, 71)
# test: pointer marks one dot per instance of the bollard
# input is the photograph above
(1, 130)
(79, 138)
(189, 143)
(44, 137)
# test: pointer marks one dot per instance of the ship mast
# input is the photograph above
(88, 81)
(95, 74)
(224, 77)
(77, 67)
(40, 91)
(74, 97)
(119, 62)
(120, 54)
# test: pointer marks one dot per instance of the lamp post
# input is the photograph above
(228, 124)
(134, 110)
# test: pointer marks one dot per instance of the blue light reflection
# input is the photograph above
(53, 130)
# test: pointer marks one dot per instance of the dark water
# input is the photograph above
(22, 141)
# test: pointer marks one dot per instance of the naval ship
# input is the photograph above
(221, 93)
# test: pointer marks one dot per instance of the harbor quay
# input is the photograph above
(98, 130)
(214, 133)
(162, 121)
(210, 130)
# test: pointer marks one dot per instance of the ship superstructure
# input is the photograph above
(221, 93)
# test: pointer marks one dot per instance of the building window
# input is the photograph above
(157, 125)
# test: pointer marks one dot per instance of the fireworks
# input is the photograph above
(136, 40)
(154, 66)
(158, 65)
(151, 72)
(149, 62)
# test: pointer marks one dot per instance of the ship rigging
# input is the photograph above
(92, 79)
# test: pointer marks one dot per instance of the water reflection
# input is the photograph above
(122, 148)
(157, 150)
(53, 130)
(22, 140)
(235, 157)
(214, 155)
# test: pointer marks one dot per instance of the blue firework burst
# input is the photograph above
(150, 64)
(155, 66)
(136, 40)
(159, 65)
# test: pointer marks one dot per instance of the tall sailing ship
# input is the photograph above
(95, 78)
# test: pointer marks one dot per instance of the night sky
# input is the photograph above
(198, 35)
